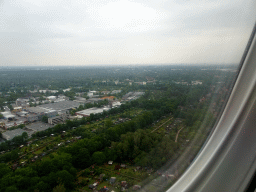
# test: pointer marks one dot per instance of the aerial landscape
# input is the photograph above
(115, 95)
(105, 128)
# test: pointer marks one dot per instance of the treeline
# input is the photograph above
(42, 176)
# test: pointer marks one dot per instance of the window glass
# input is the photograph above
(113, 95)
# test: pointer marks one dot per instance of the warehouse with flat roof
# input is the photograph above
(38, 126)
(8, 115)
(8, 135)
(93, 110)
(59, 107)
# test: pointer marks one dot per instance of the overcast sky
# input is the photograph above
(99, 32)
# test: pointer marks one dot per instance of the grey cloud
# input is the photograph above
(230, 17)
(227, 18)
(37, 28)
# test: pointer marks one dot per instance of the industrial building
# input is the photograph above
(93, 110)
(7, 115)
(58, 119)
(8, 135)
(62, 106)
(52, 109)
(40, 112)
(38, 126)
(37, 110)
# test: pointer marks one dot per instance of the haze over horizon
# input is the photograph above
(80, 33)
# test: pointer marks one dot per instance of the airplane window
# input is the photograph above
(121, 95)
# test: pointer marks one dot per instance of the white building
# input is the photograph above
(90, 94)
(116, 104)
(93, 110)
(65, 90)
(52, 98)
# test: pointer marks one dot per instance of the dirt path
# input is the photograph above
(178, 135)
(161, 125)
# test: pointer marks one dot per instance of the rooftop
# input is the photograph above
(63, 105)
(60, 106)
(7, 114)
(93, 110)
(109, 97)
(38, 126)
(13, 133)
(37, 109)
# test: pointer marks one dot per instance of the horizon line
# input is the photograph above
(123, 65)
